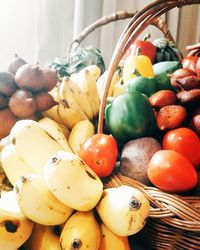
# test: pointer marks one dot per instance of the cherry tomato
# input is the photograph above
(184, 141)
(99, 152)
(172, 172)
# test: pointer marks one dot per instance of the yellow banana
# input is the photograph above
(42, 238)
(54, 130)
(87, 84)
(82, 131)
(41, 146)
(69, 89)
(52, 113)
(128, 205)
(94, 70)
(118, 88)
(38, 203)
(64, 130)
(15, 228)
(72, 181)
(68, 115)
(101, 82)
(55, 93)
(13, 165)
(4, 142)
(111, 241)
(81, 231)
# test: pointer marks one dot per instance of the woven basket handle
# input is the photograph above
(119, 15)
(135, 27)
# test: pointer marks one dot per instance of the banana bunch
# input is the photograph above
(30, 146)
(77, 98)
(116, 86)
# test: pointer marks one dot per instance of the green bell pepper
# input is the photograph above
(162, 71)
(130, 116)
(144, 85)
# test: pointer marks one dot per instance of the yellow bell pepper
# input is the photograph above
(137, 64)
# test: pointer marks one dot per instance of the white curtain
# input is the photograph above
(40, 30)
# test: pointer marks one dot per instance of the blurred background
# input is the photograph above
(40, 30)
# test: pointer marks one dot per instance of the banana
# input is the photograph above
(118, 88)
(68, 94)
(128, 205)
(81, 231)
(64, 130)
(68, 115)
(68, 89)
(4, 141)
(72, 181)
(87, 84)
(55, 93)
(111, 241)
(33, 144)
(94, 70)
(52, 113)
(13, 165)
(82, 131)
(54, 130)
(101, 81)
(42, 238)
(15, 228)
(38, 203)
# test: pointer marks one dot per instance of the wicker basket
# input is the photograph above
(174, 221)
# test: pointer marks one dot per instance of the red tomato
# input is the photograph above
(184, 141)
(99, 152)
(172, 172)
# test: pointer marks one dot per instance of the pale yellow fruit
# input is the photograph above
(111, 241)
(81, 231)
(33, 144)
(13, 165)
(128, 205)
(15, 228)
(72, 181)
(38, 203)
(82, 131)
(43, 238)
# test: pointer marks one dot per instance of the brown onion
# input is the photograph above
(30, 77)
(14, 64)
(22, 103)
(3, 102)
(7, 121)
(44, 101)
(51, 79)
(7, 83)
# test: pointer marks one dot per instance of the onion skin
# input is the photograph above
(7, 84)
(30, 77)
(3, 102)
(51, 79)
(7, 121)
(22, 104)
(14, 64)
